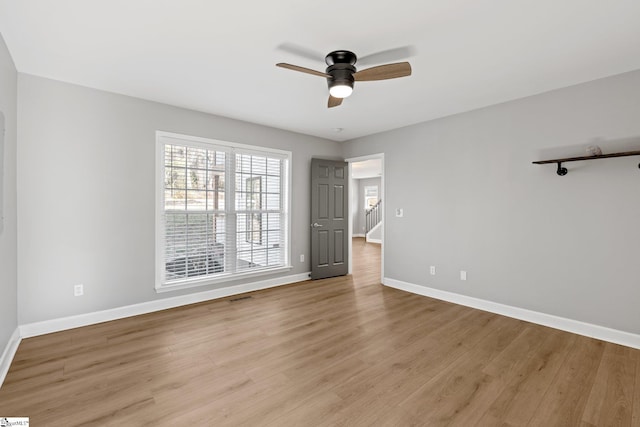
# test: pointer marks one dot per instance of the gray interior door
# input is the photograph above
(329, 218)
(2, 130)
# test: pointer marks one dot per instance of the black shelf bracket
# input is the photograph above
(561, 171)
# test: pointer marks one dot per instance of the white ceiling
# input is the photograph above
(219, 57)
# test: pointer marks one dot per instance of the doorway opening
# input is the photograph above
(366, 204)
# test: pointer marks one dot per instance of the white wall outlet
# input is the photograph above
(399, 212)
(78, 290)
(301, 257)
(463, 275)
(432, 270)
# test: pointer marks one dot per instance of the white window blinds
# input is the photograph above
(223, 211)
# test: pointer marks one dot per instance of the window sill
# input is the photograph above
(199, 282)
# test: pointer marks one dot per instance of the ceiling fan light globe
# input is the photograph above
(340, 91)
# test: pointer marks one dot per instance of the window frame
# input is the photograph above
(163, 138)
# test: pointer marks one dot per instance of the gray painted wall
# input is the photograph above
(8, 230)
(472, 200)
(86, 185)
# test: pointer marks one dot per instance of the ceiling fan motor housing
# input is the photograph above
(341, 57)
(341, 68)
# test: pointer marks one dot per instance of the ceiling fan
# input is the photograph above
(341, 73)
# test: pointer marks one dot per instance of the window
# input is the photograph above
(370, 196)
(222, 211)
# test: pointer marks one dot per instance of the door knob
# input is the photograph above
(316, 225)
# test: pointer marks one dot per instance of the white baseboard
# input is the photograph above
(61, 324)
(358, 235)
(378, 241)
(577, 327)
(8, 354)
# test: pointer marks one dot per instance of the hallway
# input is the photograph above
(366, 259)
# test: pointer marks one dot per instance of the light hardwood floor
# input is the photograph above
(342, 351)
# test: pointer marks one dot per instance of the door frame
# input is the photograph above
(384, 209)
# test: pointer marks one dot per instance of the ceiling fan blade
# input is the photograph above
(301, 51)
(302, 69)
(334, 102)
(384, 72)
(388, 55)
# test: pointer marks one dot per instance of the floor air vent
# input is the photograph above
(240, 298)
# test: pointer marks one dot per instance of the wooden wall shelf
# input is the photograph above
(563, 171)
